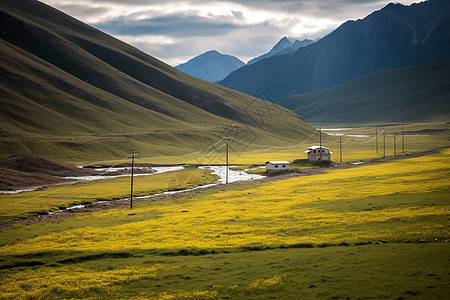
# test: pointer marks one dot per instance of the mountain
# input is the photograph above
(409, 94)
(212, 66)
(72, 93)
(295, 46)
(280, 46)
(395, 36)
(284, 46)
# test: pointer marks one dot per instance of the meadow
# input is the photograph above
(22, 205)
(358, 143)
(372, 231)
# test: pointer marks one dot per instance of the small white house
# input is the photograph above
(317, 153)
(277, 166)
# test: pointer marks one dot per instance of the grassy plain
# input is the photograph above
(358, 143)
(83, 192)
(277, 239)
(409, 271)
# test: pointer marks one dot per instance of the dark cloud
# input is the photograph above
(172, 25)
(243, 43)
(81, 11)
(177, 30)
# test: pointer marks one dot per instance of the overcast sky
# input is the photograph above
(175, 31)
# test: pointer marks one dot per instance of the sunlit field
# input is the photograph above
(358, 143)
(124, 177)
(322, 235)
(360, 204)
(42, 201)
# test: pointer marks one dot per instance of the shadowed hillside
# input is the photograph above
(411, 94)
(73, 93)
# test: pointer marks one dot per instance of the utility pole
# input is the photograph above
(226, 170)
(403, 139)
(133, 155)
(376, 139)
(320, 143)
(340, 148)
(395, 147)
(384, 143)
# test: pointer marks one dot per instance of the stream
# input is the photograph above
(233, 176)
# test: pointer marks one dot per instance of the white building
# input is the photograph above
(317, 153)
(277, 166)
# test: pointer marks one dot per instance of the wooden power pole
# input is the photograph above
(340, 149)
(133, 155)
(395, 147)
(403, 139)
(320, 144)
(226, 170)
(376, 139)
(384, 143)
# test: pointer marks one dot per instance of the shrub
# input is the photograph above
(324, 245)
(300, 162)
(301, 245)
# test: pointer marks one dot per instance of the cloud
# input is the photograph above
(177, 30)
(243, 42)
(172, 25)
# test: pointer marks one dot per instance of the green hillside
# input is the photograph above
(73, 93)
(411, 94)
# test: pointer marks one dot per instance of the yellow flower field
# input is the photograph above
(78, 283)
(367, 203)
(42, 201)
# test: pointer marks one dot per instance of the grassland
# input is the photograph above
(374, 231)
(22, 205)
(358, 144)
(346, 233)
(409, 271)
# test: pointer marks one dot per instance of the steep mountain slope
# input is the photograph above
(280, 46)
(212, 66)
(284, 46)
(395, 36)
(295, 46)
(409, 94)
(73, 93)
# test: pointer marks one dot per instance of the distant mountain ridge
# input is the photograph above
(394, 36)
(409, 94)
(212, 66)
(284, 46)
